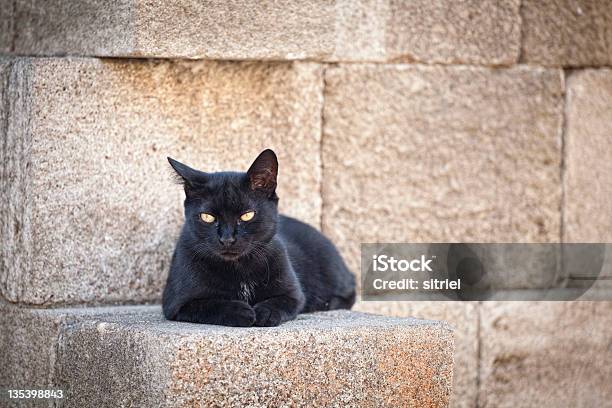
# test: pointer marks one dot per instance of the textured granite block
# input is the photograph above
(567, 32)
(588, 167)
(546, 354)
(118, 356)
(469, 32)
(441, 154)
(454, 32)
(464, 319)
(89, 210)
(218, 29)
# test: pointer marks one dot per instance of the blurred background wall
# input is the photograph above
(394, 121)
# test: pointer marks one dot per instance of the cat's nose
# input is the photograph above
(227, 240)
(226, 235)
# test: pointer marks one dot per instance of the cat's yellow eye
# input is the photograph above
(247, 216)
(207, 217)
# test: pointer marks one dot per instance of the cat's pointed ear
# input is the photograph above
(187, 176)
(262, 173)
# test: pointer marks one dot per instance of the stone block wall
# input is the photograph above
(89, 211)
(486, 121)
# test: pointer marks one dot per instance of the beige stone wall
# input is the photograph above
(485, 121)
(90, 213)
(545, 354)
(441, 154)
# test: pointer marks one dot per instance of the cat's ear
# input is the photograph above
(262, 173)
(185, 175)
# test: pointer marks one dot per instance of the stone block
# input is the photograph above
(545, 354)
(7, 26)
(89, 210)
(571, 33)
(219, 29)
(463, 317)
(456, 32)
(441, 154)
(29, 340)
(132, 356)
(588, 148)
(467, 32)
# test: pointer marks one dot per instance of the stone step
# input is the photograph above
(341, 30)
(131, 356)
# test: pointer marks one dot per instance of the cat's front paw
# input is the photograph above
(266, 315)
(238, 314)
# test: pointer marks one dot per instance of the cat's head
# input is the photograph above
(230, 214)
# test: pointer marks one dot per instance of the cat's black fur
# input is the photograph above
(261, 272)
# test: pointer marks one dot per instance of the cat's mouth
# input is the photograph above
(230, 254)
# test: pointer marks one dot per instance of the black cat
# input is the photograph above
(238, 262)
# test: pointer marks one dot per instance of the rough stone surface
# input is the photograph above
(464, 319)
(567, 32)
(553, 354)
(131, 356)
(218, 29)
(87, 142)
(6, 25)
(87, 27)
(466, 32)
(441, 154)
(470, 32)
(29, 340)
(360, 30)
(588, 148)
